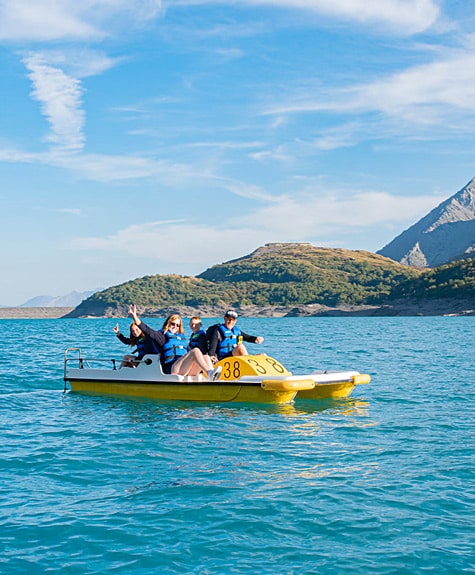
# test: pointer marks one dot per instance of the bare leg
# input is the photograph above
(192, 363)
(240, 349)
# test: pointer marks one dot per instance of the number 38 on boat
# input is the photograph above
(248, 378)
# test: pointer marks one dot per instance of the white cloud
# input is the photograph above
(250, 192)
(320, 214)
(69, 20)
(42, 20)
(60, 99)
(424, 94)
(151, 241)
(405, 16)
(276, 155)
(302, 217)
(78, 62)
(111, 168)
(338, 137)
(72, 211)
(408, 16)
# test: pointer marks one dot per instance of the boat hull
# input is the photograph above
(338, 390)
(340, 387)
(223, 392)
(254, 379)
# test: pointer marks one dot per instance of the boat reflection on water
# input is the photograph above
(349, 406)
(144, 409)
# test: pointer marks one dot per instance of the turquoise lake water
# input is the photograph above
(379, 483)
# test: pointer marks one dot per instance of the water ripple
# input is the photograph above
(379, 483)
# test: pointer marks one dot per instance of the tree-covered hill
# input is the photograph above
(456, 279)
(273, 275)
(283, 274)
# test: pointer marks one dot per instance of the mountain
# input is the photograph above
(273, 275)
(70, 300)
(445, 234)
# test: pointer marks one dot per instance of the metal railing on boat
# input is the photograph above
(83, 362)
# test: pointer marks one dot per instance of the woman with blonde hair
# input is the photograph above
(172, 345)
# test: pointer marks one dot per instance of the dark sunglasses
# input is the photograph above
(174, 324)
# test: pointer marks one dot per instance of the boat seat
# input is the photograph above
(154, 360)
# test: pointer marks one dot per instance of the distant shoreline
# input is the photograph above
(402, 308)
(34, 312)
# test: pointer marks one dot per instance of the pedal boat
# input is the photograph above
(250, 378)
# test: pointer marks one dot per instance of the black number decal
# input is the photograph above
(276, 365)
(236, 370)
(227, 370)
(259, 368)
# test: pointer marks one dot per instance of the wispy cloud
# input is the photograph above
(338, 137)
(70, 20)
(144, 241)
(72, 211)
(250, 192)
(426, 94)
(115, 168)
(43, 20)
(317, 218)
(407, 16)
(79, 62)
(60, 99)
(318, 213)
(403, 16)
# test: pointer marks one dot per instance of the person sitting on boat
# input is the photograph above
(198, 337)
(172, 345)
(226, 340)
(143, 344)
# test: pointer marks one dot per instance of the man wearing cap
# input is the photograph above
(226, 339)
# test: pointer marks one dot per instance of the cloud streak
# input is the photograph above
(313, 217)
(318, 214)
(60, 99)
(113, 168)
(404, 16)
(424, 95)
(70, 20)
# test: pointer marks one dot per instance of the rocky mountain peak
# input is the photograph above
(445, 234)
(460, 207)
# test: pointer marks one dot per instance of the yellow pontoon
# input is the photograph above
(249, 378)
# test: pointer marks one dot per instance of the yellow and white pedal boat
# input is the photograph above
(249, 378)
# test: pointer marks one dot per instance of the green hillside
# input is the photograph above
(456, 279)
(275, 274)
(283, 274)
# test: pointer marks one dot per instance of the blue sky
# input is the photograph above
(145, 136)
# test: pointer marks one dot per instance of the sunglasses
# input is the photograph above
(174, 324)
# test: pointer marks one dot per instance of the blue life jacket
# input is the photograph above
(174, 347)
(140, 347)
(145, 345)
(199, 340)
(230, 339)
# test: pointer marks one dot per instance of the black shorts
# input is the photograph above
(167, 367)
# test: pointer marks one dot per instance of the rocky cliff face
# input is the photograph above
(445, 234)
